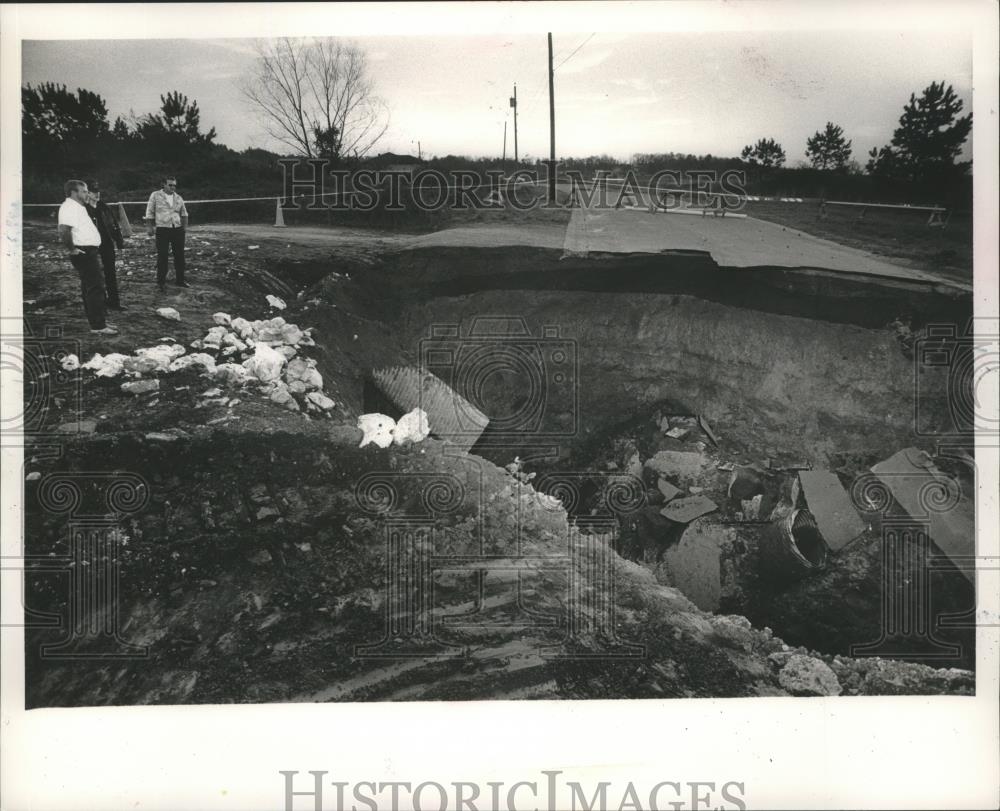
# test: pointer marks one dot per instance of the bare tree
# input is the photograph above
(315, 96)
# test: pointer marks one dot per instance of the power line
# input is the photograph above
(578, 47)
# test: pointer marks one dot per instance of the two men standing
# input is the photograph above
(167, 217)
(89, 231)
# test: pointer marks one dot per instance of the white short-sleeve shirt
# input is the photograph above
(85, 233)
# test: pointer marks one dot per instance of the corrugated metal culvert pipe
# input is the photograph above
(792, 547)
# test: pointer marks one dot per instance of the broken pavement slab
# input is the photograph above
(933, 498)
(685, 510)
(829, 503)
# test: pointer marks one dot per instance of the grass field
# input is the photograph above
(893, 234)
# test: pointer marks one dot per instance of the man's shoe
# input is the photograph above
(108, 330)
(109, 324)
(182, 284)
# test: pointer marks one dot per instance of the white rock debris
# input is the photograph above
(266, 363)
(412, 427)
(243, 352)
(377, 428)
(168, 313)
(71, 363)
(276, 302)
(383, 430)
(106, 365)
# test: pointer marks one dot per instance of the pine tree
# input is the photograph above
(928, 139)
(766, 153)
(829, 149)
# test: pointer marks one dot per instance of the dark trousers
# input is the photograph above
(169, 239)
(88, 265)
(110, 275)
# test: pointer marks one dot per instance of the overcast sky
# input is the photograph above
(617, 94)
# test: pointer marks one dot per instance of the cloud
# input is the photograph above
(634, 83)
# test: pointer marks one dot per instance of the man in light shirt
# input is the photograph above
(167, 217)
(82, 241)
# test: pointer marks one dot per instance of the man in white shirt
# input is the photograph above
(82, 241)
(167, 217)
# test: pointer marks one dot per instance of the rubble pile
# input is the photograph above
(234, 353)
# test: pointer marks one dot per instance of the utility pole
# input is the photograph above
(513, 103)
(552, 129)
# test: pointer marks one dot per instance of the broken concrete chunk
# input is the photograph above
(677, 433)
(265, 513)
(682, 466)
(274, 301)
(685, 510)
(141, 386)
(222, 319)
(411, 427)
(169, 313)
(806, 676)
(243, 327)
(320, 400)
(231, 373)
(107, 365)
(838, 521)
(377, 428)
(70, 363)
(305, 372)
(207, 362)
(929, 495)
(266, 363)
(668, 490)
(693, 563)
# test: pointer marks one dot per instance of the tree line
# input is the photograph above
(69, 134)
(924, 146)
